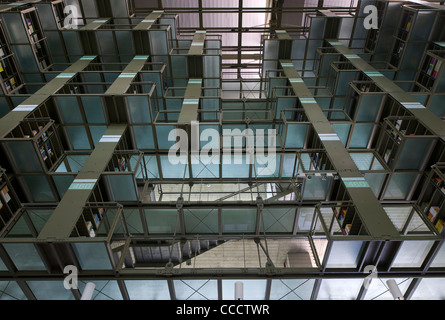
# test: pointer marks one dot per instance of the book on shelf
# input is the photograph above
(90, 228)
(347, 229)
(43, 153)
(424, 206)
(408, 23)
(433, 213)
(5, 193)
(436, 69)
(431, 66)
(440, 226)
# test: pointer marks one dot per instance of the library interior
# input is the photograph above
(349, 93)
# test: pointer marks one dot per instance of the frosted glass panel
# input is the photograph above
(24, 256)
(39, 217)
(162, 133)
(414, 151)
(139, 109)
(201, 220)
(50, 290)
(39, 188)
(291, 289)
(316, 188)
(196, 289)
(10, 290)
(439, 259)
(236, 168)
(143, 136)
(296, 135)
(92, 256)
(412, 254)
(278, 220)
(430, 289)
(25, 156)
(78, 137)
(360, 135)
(399, 186)
(173, 170)
(122, 187)
(162, 220)
(239, 220)
(147, 289)
(288, 165)
(345, 254)
(339, 289)
(93, 109)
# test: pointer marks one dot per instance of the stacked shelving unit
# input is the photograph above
(432, 198)
(430, 74)
(36, 37)
(10, 76)
(9, 202)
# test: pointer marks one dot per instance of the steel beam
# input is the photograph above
(61, 223)
(368, 207)
(431, 121)
(19, 113)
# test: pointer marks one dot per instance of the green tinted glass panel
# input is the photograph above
(201, 220)
(78, 137)
(24, 256)
(10, 290)
(39, 188)
(50, 290)
(162, 220)
(139, 109)
(239, 220)
(69, 109)
(277, 220)
(147, 289)
(25, 156)
(92, 256)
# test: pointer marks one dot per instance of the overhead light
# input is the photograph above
(239, 290)
(394, 289)
(88, 291)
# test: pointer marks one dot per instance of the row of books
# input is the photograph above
(440, 183)
(433, 67)
(5, 194)
(317, 162)
(94, 224)
(121, 164)
(340, 213)
(44, 144)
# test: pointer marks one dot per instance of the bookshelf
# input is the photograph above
(42, 133)
(9, 202)
(59, 15)
(431, 71)
(431, 201)
(344, 212)
(373, 34)
(36, 38)
(348, 220)
(10, 76)
(89, 222)
(395, 133)
(401, 35)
